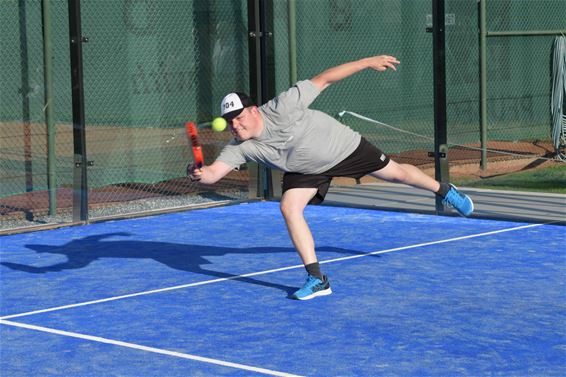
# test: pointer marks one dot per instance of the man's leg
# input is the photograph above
(293, 204)
(413, 176)
(407, 174)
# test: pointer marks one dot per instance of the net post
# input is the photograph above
(439, 76)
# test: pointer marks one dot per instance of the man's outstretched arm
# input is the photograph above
(334, 74)
(209, 174)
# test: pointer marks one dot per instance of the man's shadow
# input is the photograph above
(191, 258)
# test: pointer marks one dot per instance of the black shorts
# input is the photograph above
(364, 160)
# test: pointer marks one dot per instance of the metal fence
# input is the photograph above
(400, 105)
(151, 65)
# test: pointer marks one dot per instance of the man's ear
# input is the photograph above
(255, 111)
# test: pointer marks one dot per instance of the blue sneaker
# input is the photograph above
(460, 202)
(313, 287)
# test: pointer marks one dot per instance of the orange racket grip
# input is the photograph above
(192, 134)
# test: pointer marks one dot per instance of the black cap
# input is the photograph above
(233, 104)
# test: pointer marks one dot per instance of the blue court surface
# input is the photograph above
(206, 293)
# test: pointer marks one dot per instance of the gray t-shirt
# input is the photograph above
(295, 138)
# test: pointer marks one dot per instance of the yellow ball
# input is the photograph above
(219, 124)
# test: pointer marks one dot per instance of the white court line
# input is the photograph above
(205, 282)
(435, 242)
(148, 349)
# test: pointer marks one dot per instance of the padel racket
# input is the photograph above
(192, 134)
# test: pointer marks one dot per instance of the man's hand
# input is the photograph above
(382, 62)
(193, 172)
(208, 174)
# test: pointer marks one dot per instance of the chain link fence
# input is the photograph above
(395, 110)
(24, 135)
(151, 65)
(519, 43)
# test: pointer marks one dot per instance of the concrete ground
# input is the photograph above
(501, 205)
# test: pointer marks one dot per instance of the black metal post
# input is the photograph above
(267, 50)
(439, 76)
(80, 187)
(257, 173)
(267, 73)
(260, 61)
(25, 92)
(202, 15)
(254, 34)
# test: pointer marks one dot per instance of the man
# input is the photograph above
(311, 147)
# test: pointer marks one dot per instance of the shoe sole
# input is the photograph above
(325, 292)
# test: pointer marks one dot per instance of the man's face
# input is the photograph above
(246, 124)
